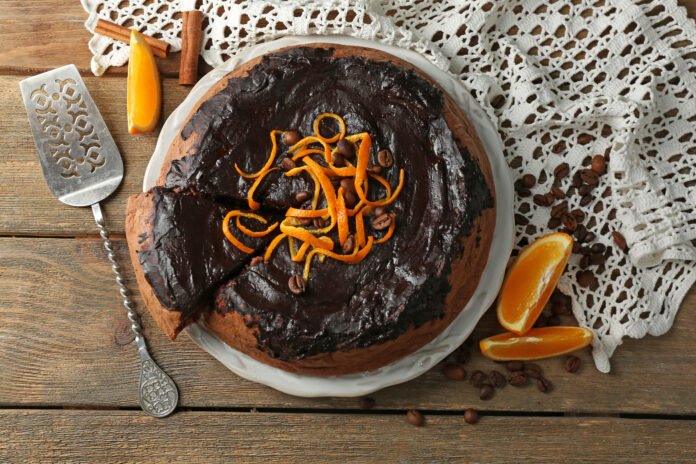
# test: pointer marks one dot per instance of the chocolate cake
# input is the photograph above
(392, 242)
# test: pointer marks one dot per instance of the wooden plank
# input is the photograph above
(62, 344)
(26, 205)
(45, 34)
(129, 436)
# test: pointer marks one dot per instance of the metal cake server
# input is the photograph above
(82, 167)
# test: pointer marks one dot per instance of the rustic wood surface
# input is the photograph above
(69, 371)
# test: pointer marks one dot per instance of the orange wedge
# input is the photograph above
(530, 281)
(143, 87)
(535, 344)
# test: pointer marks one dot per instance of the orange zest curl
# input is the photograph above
(272, 246)
(228, 233)
(253, 204)
(357, 256)
(269, 162)
(254, 233)
(336, 137)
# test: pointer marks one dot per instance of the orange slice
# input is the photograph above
(143, 88)
(530, 281)
(535, 344)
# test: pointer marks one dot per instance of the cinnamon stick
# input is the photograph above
(122, 34)
(190, 47)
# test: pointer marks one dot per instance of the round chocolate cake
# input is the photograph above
(325, 209)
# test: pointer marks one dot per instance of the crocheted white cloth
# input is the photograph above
(619, 70)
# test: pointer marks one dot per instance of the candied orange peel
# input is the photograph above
(332, 218)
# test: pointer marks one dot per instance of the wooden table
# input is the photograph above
(69, 370)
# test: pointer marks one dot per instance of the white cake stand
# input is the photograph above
(419, 362)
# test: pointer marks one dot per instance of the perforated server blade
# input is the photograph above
(82, 167)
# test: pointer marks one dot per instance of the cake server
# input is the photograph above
(82, 167)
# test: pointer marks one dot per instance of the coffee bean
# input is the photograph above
(288, 164)
(348, 185)
(585, 189)
(533, 370)
(572, 364)
(589, 177)
(579, 214)
(296, 284)
(553, 321)
(524, 193)
(589, 237)
(569, 222)
(586, 279)
(554, 223)
(557, 192)
(256, 260)
(374, 169)
(584, 139)
(338, 160)
(597, 258)
(367, 403)
(517, 379)
(549, 198)
(348, 245)
(544, 385)
(477, 379)
(513, 366)
(585, 251)
(497, 379)
(385, 158)
(598, 248)
(345, 149)
(304, 221)
(584, 262)
(528, 181)
(471, 416)
(381, 222)
(586, 161)
(577, 179)
(318, 223)
(561, 171)
(558, 148)
(301, 197)
(599, 164)
(291, 137)
(620, 240)
(540, 200)
(580, 231)
(559, 210)
(486, 392)
(350, 198)
(454, 372)
(415, 418)
(498, 101)
(586, 200)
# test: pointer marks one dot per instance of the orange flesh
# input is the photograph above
(535, 344)
(143, 88)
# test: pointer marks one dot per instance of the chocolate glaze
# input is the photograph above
(402, 282)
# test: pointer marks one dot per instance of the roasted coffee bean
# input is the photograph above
(288, 164)
(301, 197)
(296, 284)
(579, 214)
(348, 245)
(558, 148)
(584, 262)
(374, 169)
(351, 198)
(498, 101)
(553, 321)
(586, 200)
(554, 223)
(586, 279)
(517, 379)
(381, 222)
(378, 211)
(620, 240)
(559, 210)
(549, 198)
(569, 222)
(348, 185)
(304, 221)
(580, 231)
(291, 137)
(586, 161)
(557, 192)
(486, 392)
(584, 139)
(385, 158)
(524, 193)
(533, 370)
(585, 189)
(338, 160)
(454, 372)
(521, 220)
(471, 416)
(598, 248)
(589, 177)
(558, 297)
(561, 171)
(345, 149)
(540, 200)
(589, 237)
(585, 251)
(528, 181)
(572, 364)
(477, 379)
(319, 223)
(256, 260)
(415, 418)
(544, 385)
(599, 164)
(597, 258)
(577, 179)
(576, 244)
(367, 403)
(497, 379)
(514, 366)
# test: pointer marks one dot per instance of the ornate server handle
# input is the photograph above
(158, 393)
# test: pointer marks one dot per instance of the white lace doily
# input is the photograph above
(618, 70)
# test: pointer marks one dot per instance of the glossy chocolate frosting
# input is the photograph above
(403, 281)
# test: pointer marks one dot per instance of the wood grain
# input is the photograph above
(62, 335)
(202, 437)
